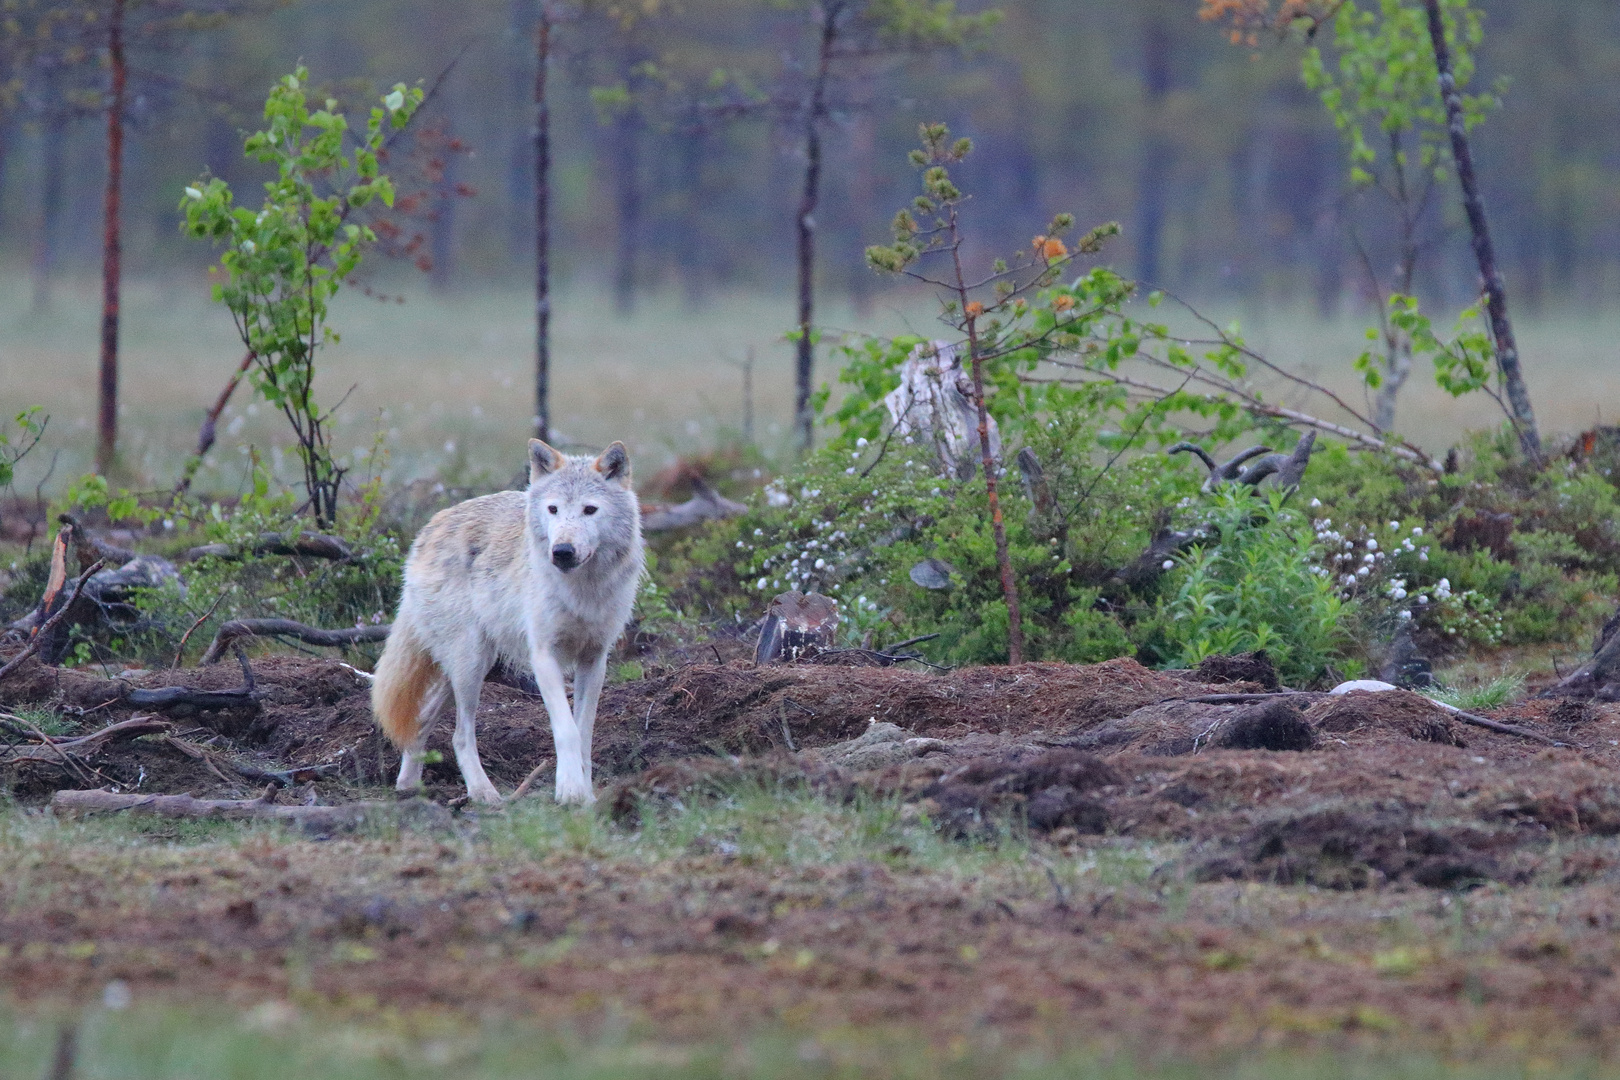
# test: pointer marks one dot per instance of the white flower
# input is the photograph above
(759, 532)
(821, 564)
(1169, 564)
(861, 441)
(739, 543)
(1372, 545)
(193, 193)
(1417, 530)
(1368, 558)
(249, 246)
(1405, 615)
(1315, 503)
(760, 584)
(395, 101)
(1364, 571)
(1422, 599)
(1394, 525)
(850, 471)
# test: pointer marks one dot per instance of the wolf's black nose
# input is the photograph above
(563, 556)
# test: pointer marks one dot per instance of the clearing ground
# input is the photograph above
(1057, 858)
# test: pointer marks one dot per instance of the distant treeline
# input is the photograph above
(1223, 169)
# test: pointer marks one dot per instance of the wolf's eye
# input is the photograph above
(590, 510)
(553, 509)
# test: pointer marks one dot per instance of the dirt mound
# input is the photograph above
(1253, 667)
(1398, 713)
(1175, 728)
(1343, 849)
(1048, 791)
(1272, 725)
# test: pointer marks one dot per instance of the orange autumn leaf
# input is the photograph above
(1054, 249)
(974, 309)
(1038, 243)
(1063, 303)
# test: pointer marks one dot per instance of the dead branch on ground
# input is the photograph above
(309, 635)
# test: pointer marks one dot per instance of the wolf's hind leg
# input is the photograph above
(466, 682)
(573, 785)
(410, 759)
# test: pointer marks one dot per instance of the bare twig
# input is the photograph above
(180, 652)
(528, 781)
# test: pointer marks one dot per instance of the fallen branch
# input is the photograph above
(310, 545)
(50, 624)
(349, 816)
(309, 635)
(706, 504)
(277, 777)
(169, 697)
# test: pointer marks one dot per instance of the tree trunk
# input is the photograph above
(1009, 583)
(107, 416)
(542, 227)
(1154, 166)
(862, 200)
(1507, 348)
(627, 206)
(689, 246)
(49, 238)
(1397, 343)
(815, 110)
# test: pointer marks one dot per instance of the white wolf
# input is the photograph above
(545, 579)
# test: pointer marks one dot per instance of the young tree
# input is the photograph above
(1396, 94)
(1004, 326)
(286, 261)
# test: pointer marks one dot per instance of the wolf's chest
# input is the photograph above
(572, 636)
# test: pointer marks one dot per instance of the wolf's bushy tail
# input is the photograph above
(404, 675)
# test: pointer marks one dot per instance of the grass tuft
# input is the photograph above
(1482, 697)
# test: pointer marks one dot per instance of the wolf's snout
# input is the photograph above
(564, 557)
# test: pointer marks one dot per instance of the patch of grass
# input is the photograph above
(1481, 697)
(763, 824)
(273, 1041)
(46, 720)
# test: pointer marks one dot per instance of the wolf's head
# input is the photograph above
(582, 508)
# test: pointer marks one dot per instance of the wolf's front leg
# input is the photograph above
(572, 784)
(587, 691)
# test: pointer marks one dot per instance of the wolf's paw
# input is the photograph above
(485, 794)
(574, 791)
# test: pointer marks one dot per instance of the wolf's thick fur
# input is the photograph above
(545, 579)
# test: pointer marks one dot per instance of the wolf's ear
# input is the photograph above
(614, 464)
(542, 460)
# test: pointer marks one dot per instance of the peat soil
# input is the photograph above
(1325, 869)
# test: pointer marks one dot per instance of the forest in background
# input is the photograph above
(1222, 167)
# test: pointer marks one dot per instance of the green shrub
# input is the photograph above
(1256, 583)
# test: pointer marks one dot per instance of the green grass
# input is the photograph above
(277, 1042)
(1484, 696)
(46, 720)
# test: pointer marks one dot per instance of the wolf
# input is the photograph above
(543, 579)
